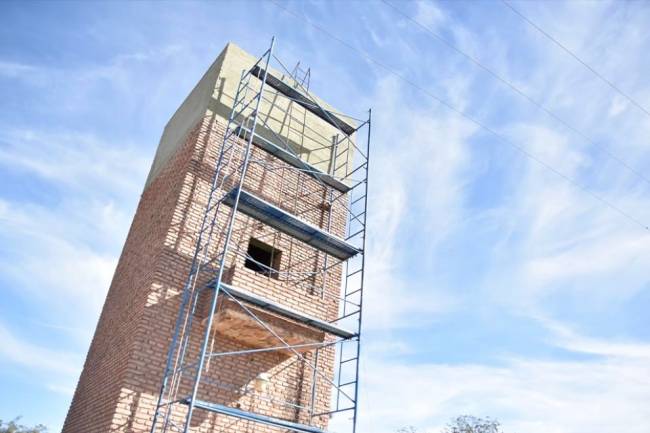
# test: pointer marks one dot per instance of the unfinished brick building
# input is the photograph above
(236, 302)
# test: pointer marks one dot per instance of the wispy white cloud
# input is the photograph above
(526, 394)
(566, 240)
(50, 258)
(113, 68)
(77, 160)
(49, 367)
(552, 238)
(14, 69)
(430, 15)
(566, 337)
(425, 178)
(38, 359)
(64, 252)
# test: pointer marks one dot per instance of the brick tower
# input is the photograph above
(236, 302)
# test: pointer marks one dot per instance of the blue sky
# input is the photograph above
(495, 286)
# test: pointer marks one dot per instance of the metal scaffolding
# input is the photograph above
(338, 183)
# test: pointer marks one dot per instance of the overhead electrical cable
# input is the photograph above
(520, 92)
(475, 121)
(578, 59)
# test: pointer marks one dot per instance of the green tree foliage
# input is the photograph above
(408, 429)
(463, 424)
(15, 427)
(472, 424)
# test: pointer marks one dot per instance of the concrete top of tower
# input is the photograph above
(305, 132)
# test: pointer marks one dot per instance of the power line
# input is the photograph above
(520, 92)
(575, 56)
(451, 107)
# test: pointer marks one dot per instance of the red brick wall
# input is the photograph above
(119, 384)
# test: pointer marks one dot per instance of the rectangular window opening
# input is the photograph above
(263, 258)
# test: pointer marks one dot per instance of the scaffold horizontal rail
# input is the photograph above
(301, 99)
(293, 160)
(284, 221)
(255, 417)
(276, 307)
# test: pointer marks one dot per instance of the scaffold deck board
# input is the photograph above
(255, 417)
(284, 221)
(301, 99)
(292, 314)
(293, 160)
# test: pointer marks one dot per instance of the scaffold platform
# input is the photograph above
(288, 223)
